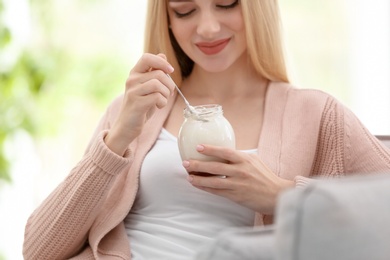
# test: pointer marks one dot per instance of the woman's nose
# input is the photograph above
(208, 25)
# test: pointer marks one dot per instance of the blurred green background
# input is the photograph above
(63, 61)
(50, 78)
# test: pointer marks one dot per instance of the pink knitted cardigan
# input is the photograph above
(305, 134)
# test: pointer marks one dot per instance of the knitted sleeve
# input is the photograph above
(58, 228)
(329, 159)
(363, 152)
(345, 146)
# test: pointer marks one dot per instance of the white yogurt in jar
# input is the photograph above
(207, 126)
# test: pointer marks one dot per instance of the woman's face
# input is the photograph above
(210, 32)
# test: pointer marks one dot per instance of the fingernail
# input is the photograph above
(186, 164)
(199, 148)
(190, 178)
(170, 69)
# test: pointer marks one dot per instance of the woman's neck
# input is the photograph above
(237, 83)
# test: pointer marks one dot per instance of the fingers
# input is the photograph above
(223, 153)
(162, 55)
(212, 168)
(150, 61)
(222, 171)
(149, 74)
(225, 167)
(211, 182)
(147, 88)
(152, 82)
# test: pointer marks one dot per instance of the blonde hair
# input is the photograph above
(262, 25)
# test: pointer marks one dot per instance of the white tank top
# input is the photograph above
(171, 219)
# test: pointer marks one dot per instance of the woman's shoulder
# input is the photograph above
(305, 97)
(304, 93)
(303, 103)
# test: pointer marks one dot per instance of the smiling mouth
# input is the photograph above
(211, 48)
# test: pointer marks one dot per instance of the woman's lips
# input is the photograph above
(211, 48)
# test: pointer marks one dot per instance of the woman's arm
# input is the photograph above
(364, 153)
(58, 228)
(345, 147)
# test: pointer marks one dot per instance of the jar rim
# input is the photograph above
(204, 110)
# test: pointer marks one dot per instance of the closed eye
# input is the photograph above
(232, 5)
(181, 15)
(188, 13)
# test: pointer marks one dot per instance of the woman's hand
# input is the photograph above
(248, 181)
(147, 89)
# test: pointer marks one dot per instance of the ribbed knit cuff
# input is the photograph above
(106, 159)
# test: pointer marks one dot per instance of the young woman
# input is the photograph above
(132, 197)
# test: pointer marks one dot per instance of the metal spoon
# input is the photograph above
(189, 107)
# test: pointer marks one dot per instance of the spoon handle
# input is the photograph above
(181, 94)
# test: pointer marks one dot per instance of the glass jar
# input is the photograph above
(207, 126)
